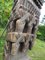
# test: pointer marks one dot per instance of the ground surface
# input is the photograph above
(20, 56)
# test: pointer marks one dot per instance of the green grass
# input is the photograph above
(38, 50)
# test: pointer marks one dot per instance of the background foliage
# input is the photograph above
(5, 8)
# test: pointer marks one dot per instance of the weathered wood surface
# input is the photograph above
(14, 36)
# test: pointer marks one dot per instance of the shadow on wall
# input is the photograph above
(41, 33)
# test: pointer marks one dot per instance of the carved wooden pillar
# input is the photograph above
(22, 29)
